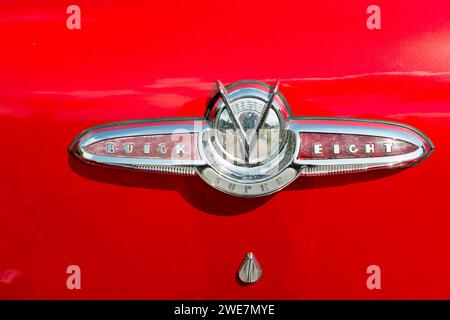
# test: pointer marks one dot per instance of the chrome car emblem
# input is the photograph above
(249, 143)
(250, 271)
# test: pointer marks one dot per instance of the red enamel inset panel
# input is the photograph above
(344, 146)
(167, 146)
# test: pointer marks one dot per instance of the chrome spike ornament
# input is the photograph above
(249, 144)
(250, 270)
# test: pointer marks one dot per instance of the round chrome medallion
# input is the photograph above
(248, 147)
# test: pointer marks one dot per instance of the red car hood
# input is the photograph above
(154, 236)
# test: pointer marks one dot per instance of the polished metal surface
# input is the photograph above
(250, 271)
(249, 168)
(249, 144)
(137, 129)
(357, 127)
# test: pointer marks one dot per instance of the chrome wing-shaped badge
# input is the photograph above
(249, 143)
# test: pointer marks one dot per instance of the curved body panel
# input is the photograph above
(145, 235)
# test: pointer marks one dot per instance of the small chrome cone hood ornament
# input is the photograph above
(250, 270)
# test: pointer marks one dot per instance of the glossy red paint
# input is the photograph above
(138, 235)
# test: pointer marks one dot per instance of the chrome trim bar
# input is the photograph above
(136, 129)
(363, 127)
